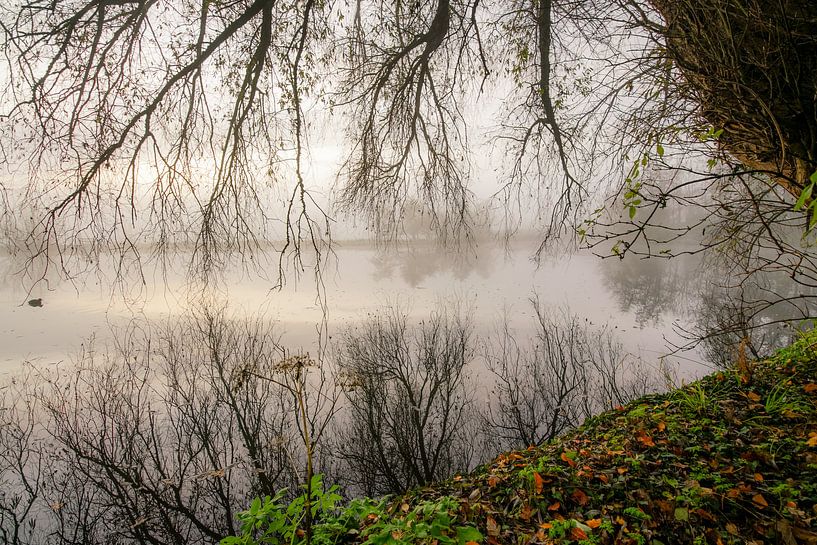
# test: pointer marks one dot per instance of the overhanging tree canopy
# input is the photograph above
(176, 121)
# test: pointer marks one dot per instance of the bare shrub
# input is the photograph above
(567, 372)
(409, 401)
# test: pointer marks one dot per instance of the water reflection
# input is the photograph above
(167, 429)
(416, 262)
(654, 288)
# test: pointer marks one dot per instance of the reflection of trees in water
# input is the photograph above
(566, 373)
(409, 407)
(417, 261)
(762, 313)
(148, 440)
(163, 435)
(651, 287)
(760, 286)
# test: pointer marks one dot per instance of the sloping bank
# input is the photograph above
(731, 458)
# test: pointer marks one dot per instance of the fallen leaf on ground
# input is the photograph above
(539, 482)
(491, 526)
(580, 497)
(577, 533)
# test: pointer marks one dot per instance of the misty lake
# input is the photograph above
(643, 301)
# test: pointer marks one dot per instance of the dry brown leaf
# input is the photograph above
(491, 526)
(580, 497)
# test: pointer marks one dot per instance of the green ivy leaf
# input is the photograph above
(468, 533)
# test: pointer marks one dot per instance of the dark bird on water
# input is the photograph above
(38, 302)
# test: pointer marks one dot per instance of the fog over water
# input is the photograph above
(639, 299)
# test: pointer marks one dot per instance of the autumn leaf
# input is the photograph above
(580, 497)
(525, 513)
(759, 477)
(661, 426)
(812, 440)
(577, 534)
(565, 458)
(732, 528)
(810, 388)
(645, 440)
(554, 506)
(539, 482)
(753, 396)
(760, 501)
(493, 480)
(593, 523)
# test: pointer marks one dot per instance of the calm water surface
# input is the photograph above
(641, 299)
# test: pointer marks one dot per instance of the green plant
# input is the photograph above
(428, 522)
(805, 201)
(560, 528)
(270, 521)
(636, 513)
(784, 400)
(694, 398)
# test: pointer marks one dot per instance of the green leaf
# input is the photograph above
(632, 211)
(660, 149)
(804, 196)
(813, 177)
(681, 514)
(468, 533)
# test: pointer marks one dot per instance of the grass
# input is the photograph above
(729, 459)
